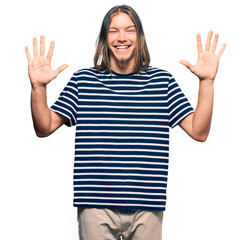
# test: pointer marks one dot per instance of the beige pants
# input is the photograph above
(108, 224)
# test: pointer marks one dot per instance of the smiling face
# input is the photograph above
(122, 42)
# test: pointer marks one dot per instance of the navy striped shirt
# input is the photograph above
(122, 136)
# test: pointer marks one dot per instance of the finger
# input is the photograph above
(186, 64)
(221, 50)
(60, 69)
(216, 37)
(209, 39)
(51, 49)
(28, 55)
(35, 52)
(199, 45)
(42, 45)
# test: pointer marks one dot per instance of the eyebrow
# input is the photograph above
(126, 27)
(131, 26)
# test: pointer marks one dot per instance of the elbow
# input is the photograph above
(41, 134)
(201, 137)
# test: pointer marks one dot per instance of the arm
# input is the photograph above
(45, 120)
(197, 124)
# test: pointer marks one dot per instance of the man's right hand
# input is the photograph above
(45, 120)
(39, 67)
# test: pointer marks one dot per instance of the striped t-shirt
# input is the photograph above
(122, 136)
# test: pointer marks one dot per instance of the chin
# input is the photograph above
(123, 61)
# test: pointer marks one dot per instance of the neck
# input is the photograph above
(122, 70)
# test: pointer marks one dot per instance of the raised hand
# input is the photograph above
(39, 67)
(208, 61)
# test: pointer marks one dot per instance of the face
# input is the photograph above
(122, 41)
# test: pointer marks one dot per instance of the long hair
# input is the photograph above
(102, 55)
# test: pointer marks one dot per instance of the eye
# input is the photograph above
(112, 31)
(131, 30)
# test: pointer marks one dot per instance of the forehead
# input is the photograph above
(121, 20)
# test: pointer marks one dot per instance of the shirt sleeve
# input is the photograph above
(67, 102)
(179, 106)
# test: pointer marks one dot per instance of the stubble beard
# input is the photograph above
(123, 62)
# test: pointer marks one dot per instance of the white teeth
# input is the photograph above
(122, 47)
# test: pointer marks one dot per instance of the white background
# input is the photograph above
(209, 183)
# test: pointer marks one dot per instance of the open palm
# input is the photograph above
(39, 68)
(208, 62)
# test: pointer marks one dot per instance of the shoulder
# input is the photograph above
(86, 71)
(157, 72)
(90, 73)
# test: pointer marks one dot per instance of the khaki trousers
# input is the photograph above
(109, 224)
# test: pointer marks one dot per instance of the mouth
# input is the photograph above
(122, 48)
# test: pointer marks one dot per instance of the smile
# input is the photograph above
(122, 47)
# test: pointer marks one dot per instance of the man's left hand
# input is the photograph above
(208, 61)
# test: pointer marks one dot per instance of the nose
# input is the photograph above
(121, 37)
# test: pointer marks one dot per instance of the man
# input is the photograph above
(123, 109)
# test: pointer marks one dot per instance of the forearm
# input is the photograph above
(203, 113)
(40, 111)
(197, 125)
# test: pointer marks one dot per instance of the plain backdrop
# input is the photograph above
(208, 194)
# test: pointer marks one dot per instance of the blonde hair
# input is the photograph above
(102, 55)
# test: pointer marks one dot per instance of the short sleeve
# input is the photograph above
(67, 102)
(178, 105)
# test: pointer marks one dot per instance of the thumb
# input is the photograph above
(186, 64)
(60, 69)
